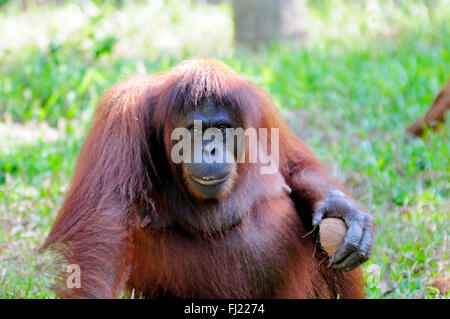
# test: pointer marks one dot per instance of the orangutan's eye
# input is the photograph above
(222, 128)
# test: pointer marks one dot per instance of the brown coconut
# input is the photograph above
(331, 233)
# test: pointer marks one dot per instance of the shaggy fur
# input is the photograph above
(130, 223)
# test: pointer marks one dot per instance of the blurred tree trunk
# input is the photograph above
(260, 22)
(435, 115)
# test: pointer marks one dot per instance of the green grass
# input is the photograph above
(349, 96)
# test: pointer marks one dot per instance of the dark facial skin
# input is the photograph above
(209, 177)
